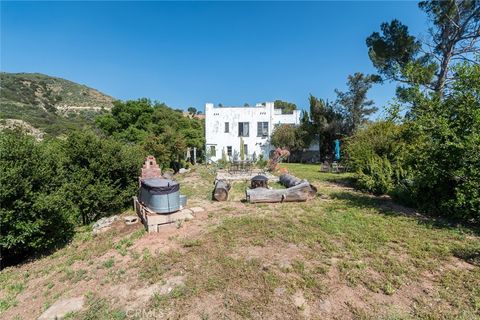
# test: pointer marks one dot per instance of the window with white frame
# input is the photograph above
(243, 129)
(213, 151)
(262, 129)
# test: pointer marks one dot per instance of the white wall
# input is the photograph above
(215, 127)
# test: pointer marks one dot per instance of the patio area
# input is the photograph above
(238, 175)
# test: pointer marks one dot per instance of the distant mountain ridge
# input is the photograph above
(51, 104)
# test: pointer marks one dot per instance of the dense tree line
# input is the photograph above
(48, 187)
(160, 130)
(427, 152)
(326, 121)
(429, 159)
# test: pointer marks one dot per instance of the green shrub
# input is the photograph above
(46, 187)
(432, 160)
(261, 162)
(376, 176)
(34, 214)
(447, 156)
(102, 174)
(377, 155)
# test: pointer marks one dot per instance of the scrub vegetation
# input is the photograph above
(53, 105)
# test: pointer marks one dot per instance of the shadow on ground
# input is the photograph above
(469, 254)
(385, 205)
(342, 181)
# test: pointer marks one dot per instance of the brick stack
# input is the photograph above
(150, 169)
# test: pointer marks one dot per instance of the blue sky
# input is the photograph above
(189, 53)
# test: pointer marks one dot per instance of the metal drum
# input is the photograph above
(160, 195)
(183, 201)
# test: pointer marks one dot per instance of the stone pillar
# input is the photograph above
(194, 155)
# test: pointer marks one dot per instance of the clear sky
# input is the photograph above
(189, 53)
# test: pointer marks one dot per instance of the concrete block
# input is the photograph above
(169, 218)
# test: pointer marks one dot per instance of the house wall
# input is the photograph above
(215, 118)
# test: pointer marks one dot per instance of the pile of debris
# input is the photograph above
(296, 190)
(104, 224)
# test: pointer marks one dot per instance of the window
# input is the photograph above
(227, 127)
(262, 129)
(243, 129)
(213, 152)
(245, 149)
(229, 151)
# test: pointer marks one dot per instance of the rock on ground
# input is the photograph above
(103, 224)
(130, 219)
(62, 307)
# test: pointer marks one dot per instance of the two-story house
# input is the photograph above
(226, 127)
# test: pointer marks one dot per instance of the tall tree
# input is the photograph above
(326, 123)
(287, 107)
(391, 51)
(354, 103)
(455, 30)
(288, 137)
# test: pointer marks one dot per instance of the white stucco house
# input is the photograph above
(225, 127)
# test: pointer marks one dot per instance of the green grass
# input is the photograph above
(200, 187)
(377, 248)
(109, 263)
(312, 173)
(97, 308)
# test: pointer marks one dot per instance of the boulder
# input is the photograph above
(62, 307)
(103, 224)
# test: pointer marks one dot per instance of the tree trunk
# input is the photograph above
(320, 140)
(442, 76)
(300, 192)
(220, 193)
(289, 181)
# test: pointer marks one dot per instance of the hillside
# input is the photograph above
(51, 104)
